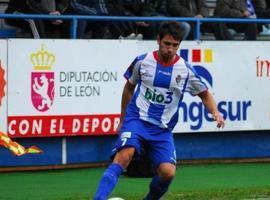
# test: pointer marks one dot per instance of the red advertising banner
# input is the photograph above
(68, 125)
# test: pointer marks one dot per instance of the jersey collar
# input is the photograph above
(155, 54)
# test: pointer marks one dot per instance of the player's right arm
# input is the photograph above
(127, 94)
(132, 75)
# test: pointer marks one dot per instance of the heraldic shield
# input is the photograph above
(42, 90)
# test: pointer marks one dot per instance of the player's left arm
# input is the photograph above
(209, 102)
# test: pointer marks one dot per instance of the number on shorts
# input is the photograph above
(124, 140)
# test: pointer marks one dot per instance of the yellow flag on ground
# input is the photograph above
(15, 147)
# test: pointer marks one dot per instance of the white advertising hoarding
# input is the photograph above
(3, 86)
(74, 87)
(238, 75)
(66, 87)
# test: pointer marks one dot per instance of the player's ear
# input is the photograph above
(158, 40)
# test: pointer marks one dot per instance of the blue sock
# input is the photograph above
(158, 188)
(108, 181)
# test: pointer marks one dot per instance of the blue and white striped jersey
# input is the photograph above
(160, 89)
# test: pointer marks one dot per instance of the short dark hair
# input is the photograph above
(172, 28)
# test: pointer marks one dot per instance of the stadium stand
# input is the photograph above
(7, 31)
(264, 35)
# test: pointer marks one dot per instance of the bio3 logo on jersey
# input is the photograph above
(194, 112)
(42, 80)
(154, 96)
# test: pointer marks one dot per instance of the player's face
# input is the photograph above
(168, 47)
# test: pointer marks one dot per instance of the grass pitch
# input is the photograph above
(192, 182)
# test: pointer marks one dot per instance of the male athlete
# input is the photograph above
(149, 114)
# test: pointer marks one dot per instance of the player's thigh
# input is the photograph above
(129, 137)
(124, 156)
(162, 151)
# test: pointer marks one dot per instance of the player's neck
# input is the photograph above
(165, 61)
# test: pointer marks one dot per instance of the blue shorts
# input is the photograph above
(156, 142)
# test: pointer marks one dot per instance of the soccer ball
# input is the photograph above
(116, 198)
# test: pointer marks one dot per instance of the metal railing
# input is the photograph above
(74, 20)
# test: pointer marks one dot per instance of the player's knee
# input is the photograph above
(166, 171)
(168, 175)
(124, 156)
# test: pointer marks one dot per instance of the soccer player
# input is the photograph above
(156, 82)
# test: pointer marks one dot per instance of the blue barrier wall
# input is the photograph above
(190, 146)
(52, 154)
(89, 149)
(223, 145)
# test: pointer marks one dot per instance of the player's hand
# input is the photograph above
(57, 21)
(142, 24)
(198, 16)
(246, 13)
(219, 119)
(119, 126)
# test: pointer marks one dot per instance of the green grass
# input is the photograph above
(192, 182)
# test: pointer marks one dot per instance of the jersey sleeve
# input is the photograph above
(195, 85)
(132, 74)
